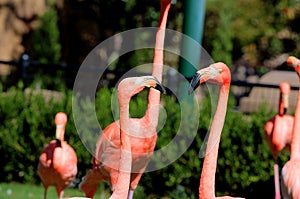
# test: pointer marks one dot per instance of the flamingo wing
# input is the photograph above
(290, 183)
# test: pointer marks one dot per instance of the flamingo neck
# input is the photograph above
(159, 42)
(207, 180)
(152, 112)
(60, 132)
(122, 186)
(295, 147)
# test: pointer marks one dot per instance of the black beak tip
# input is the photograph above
(284, 110)
(160, 88)
(194, 83)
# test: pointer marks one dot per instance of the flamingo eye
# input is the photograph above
(220, 70)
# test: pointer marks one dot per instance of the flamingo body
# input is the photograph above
(278, 133)
(58, 162)
(106, 160)
(141, 136)
(290, 179)
(278, 129)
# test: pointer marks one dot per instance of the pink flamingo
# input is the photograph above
(58, 161)
(126, 89)
(124, 95)
(278, 131)
(290, 184)
(107, 155)
(145, 144)
(217, 73)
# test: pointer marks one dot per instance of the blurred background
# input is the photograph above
(51, 38)
(252, 39)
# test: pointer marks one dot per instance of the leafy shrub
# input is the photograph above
(244, 162)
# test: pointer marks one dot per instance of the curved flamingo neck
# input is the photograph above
(207, 180)
(295, 147)
(152, 112)
(122, 186)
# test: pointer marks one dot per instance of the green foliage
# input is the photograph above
(223, 42)
(46, 45)
(256, 31)
(46, 48)
(244, 161)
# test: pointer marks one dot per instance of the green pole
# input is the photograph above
(194, 14)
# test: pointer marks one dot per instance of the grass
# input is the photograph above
(29, 191)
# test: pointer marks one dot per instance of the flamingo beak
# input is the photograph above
(194, 83)
(159, 87)
(292, 61)
(285, 103)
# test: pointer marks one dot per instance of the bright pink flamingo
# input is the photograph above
(107, 158)
(278, 131)
(217, 73)
(290, 184)
(58, 162)
(147, 136)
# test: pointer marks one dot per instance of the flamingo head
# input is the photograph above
(60, 121)
(285, 90)
(60, 118)
(133, 85)
(217, 73)
(294, 62)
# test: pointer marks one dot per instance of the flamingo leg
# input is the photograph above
(276, 181)
(60, 192)
(45, 193)
(61, 195)
(130, 194)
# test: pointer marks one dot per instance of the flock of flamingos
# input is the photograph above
(136, 137)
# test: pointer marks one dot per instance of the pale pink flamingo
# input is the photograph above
(148, 123)
(217, 73)
(58, 161)
(290, 183)
(107, 154)
(278, 131)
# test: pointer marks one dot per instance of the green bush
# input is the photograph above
(46, 45)
(244, 161)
